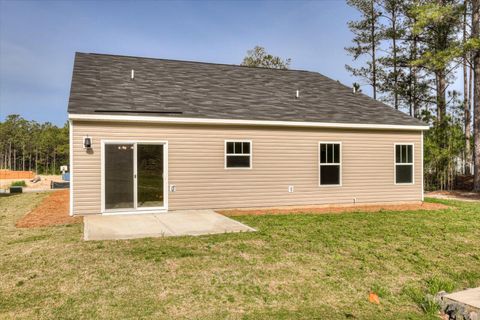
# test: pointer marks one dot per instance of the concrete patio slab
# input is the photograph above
(174, 223)
(469, 298)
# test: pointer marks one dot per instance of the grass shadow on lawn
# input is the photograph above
(295, 266)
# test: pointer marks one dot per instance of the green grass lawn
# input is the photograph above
(295, 266)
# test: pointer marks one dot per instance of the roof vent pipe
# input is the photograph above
(354, 89)
(132, 75)
(297, 94)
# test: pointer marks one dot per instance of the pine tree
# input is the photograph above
(414, 82)
(367, 35)
(436, 25)
(393, 31)
(28, 144)
(476, 95)
(466, 94)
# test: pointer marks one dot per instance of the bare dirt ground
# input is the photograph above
(455, 195)
(53, 210)
(43, 184)
(10, 174)
(335, 209)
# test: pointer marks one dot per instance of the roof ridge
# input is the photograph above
(196, 62)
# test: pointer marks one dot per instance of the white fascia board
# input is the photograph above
(179, 120)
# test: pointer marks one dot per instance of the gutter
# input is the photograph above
(302, 124)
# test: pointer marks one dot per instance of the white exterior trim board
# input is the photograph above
(421, 168)
(179, 120)
(70, 142)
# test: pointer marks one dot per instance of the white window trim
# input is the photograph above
(330, 164)
(395, 163)
(135, 210)
(243, 154)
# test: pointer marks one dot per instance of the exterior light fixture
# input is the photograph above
(87, 143)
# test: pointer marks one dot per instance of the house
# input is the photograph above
(150, 135)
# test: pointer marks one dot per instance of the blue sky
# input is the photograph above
(38, 40)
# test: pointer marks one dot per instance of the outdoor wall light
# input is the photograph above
(87, 143)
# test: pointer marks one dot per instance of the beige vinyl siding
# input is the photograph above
(281, 157)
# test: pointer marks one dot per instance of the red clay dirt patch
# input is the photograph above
(53, 210)
(335, 209)
(10, 174)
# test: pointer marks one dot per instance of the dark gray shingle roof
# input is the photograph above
(101, 84)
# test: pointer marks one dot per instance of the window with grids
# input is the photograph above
(238, 154)
(330, 164)
(403, 163)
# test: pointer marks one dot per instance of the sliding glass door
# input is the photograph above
(119, 176)
(134, 176)
(150, 175)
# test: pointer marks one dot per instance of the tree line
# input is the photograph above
(33, 146)
(410, 52)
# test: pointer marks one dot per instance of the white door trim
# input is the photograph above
(135, 209)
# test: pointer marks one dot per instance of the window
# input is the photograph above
(330, 164)
(403, 163)
(238, 154)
